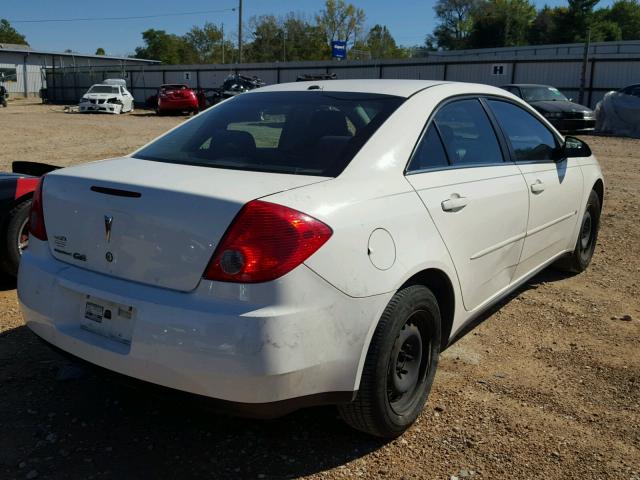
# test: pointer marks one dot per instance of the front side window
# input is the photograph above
(306, 133)
(467, 134)
(529, 138)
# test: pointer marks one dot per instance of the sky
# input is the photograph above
(408, 20)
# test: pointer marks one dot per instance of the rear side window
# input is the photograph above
(467, 134)
(530, 139)
(430, 152)
(306, 133)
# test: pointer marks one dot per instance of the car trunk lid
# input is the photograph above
(150, 222)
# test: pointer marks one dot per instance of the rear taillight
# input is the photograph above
(36, 217)
(264, 242)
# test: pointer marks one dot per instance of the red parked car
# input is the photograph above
(177, 98)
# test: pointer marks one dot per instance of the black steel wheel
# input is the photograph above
(400, 365)
(578, 260)
(15, 238)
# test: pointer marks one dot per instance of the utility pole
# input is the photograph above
(239, 31)
(284, 45)
(222, 31)
(585, 60)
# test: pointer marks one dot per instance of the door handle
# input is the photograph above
(454, 203)
(537, 187)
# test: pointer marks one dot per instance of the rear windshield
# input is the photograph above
(173, 87)
(306, 133)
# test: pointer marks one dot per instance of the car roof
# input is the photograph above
(527, 85)
(399, 88)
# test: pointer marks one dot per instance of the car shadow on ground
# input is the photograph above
(7, 282)
(81, 422)
(545, 276)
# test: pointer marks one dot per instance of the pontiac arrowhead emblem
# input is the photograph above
(108, 221)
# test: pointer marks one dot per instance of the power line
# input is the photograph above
(104, 19)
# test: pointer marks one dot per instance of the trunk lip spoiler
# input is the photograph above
(115, 192)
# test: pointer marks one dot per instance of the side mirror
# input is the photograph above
(573, 148)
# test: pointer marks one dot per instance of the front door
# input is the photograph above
(555, 187)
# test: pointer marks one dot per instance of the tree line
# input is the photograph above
(291, 37)
(505, 23)
(461, 24)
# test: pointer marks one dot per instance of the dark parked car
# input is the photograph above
(563, 114)
(631, 90)
(3, 96)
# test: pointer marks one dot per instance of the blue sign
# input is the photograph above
(338, 49)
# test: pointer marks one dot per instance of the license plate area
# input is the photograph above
(108, 319)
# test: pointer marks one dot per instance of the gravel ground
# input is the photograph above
(547, 386)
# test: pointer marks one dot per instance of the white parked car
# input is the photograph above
(308, 243)
(111, 96)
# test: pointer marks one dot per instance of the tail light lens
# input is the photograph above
(264, 242)
(36, 217)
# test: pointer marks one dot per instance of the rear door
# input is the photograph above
(477, 201)
(554, 188)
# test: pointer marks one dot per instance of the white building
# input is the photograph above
(22, 69)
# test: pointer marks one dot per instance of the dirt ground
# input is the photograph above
(546, 387)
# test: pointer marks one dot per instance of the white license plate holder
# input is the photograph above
(108, 319)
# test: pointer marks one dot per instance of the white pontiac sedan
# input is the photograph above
(109, 97)
(308, 243)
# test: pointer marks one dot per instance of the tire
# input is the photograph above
(389, 401)
(578, 260)
(15, 226)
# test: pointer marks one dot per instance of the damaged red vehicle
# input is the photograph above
(176, 98)
(16, 190)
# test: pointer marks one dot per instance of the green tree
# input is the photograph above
(455, 23)
(100, 51)
(602, 29)
(207, 44)
(166, 47)
(575, 21)
(501, 23)
(267, 43)
(543, 29)
(304, 40)
(381, 44)
(626, 14)
(340, 21)
(291, 38)
(8, 34)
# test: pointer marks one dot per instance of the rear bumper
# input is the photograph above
(177, 106)
(266, 343)
(249, 410)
